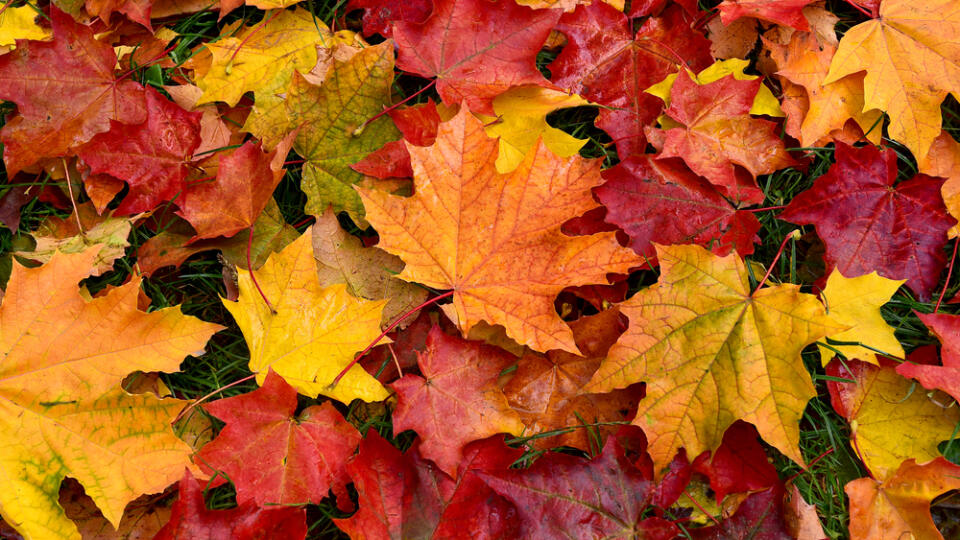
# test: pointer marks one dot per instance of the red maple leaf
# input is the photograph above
(476, 49)
(66, 92)
(606, 63)
(151, 157)
(868, 224)
(274, 457)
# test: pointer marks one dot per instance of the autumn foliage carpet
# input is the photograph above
(479, 269)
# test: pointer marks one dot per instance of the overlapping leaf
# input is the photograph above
(495, 239)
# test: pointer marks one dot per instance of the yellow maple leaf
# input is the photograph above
(856, 303)
(63, 411)
(712, 352)
(495, 238)
(912, 62)
(262, 57)
(313, 333)
(522, 120)
(331, 115)
(891, 419)
(20, 23)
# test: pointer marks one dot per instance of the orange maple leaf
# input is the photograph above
(62, 407)
(495, 238)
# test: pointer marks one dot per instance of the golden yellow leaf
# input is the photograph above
(522, 120)
(495, 238)
(63, 411)
(315, 330)
(712, 352)
(856, 302)
(20, 23)
(262, 57)
(912, 61)
(891, 417)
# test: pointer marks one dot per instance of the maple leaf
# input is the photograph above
(37, 75)
(20, 23)
(152, 158)
(899, 506)
(717, 134)
(476, 49)
(262, 58)
(66, 414)
(330, 115)
(234, 200)
(406, 496)
(739, 464)
(521, 120)
(546, 390)
(495, 239)
(943, 160)
(459, 380)
(759, 516)
(856, 303)
(312, 332)
(867, 224)
(191, 519)
(890, 422)
(805, 61)
(64, 235)
(711, 352)
(368, 272)
(661, 201)
(379, 15)
(418, 124)
(143, 517)
(801, 517)
(785, 12)
(606, 63)
(563, 496)
(946, 377)
(910, 66)
(135, 10)
(298, 458)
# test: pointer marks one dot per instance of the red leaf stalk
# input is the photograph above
(389, 329)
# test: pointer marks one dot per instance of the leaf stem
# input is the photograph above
(810, 465)
(946, 284)
(131, 71)
(359, 130)
(190, 407)
(253, 276)
(764, 209)
(229, 63)
(389, 329)
(76, 213)
(861, 9)
(701, 508)
(794, 234)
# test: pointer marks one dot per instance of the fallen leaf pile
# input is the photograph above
(479, 269)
